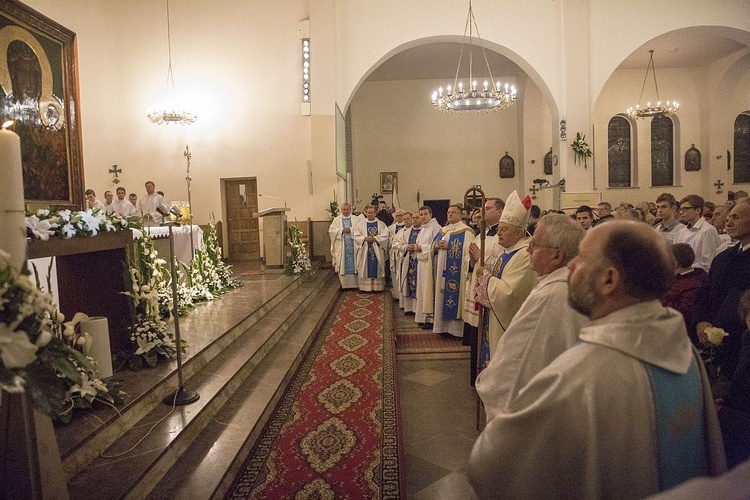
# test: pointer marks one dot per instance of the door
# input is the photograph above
(242, 227)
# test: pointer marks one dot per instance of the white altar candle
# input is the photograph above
(12, 216)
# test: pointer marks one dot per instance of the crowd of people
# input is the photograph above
(146, 207)
(586, 331)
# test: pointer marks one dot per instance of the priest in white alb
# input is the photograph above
(393, 230)
(503, 289)
(409, 266)
(371, 243)
(424, 307)
(342, 247)
(451, 274)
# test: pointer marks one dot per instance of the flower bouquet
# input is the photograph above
(66, 224)
(298, 262)
(581, 149)
(37, 356)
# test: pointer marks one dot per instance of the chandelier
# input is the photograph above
(651, 111)
(491, 95)
(170, 111)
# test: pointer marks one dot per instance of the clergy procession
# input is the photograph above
(589, 335)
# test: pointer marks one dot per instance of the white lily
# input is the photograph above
(16, 350)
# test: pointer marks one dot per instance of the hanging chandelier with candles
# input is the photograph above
(490, 95)
(652, 111)
(170, 111)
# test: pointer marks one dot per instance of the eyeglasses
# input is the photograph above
(683, 209)
(532, 245)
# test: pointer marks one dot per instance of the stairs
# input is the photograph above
(244, 349)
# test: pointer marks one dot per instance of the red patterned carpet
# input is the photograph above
(336, 432)
(414, 340)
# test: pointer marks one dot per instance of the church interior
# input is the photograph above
(298, 103)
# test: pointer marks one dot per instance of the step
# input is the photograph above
(208, 468)
(215, 375)
(91, 432)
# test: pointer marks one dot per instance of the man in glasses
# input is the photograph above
(545, 326)
(699, 234)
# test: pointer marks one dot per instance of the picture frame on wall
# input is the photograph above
(388, 182)
(39, 82)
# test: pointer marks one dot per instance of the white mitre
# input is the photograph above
(516, 211)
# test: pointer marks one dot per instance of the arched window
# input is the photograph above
(662, 151)
(742, 148)
(619, 156)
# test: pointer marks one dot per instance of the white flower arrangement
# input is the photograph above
(38, 356)
(298, 262)
(44, 223)
(581, 149)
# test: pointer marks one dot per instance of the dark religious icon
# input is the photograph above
(38, 90)
(692, 159)
(548, 163)
(507, 167)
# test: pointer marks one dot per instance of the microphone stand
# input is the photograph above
(181, 396)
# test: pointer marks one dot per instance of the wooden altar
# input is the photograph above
(91, 274)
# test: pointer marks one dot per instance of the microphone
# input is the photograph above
(274, 197)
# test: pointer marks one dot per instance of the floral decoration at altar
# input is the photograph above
(38, 356)
(298, 263)
(206, 278)
(65, 223)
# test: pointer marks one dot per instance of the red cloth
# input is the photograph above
(681, 295)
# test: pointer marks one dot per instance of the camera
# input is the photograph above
(375, 200)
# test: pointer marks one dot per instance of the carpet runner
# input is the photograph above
(417, 341)
(336, 432)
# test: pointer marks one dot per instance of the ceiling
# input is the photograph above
(438, 61)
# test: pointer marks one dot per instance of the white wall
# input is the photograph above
(396, 128)
(239, 62)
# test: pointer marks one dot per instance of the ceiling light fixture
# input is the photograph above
(493, 95)
(170, 111)
(652, 111)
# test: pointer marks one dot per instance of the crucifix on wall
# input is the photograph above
(719, 185)
(114, 171)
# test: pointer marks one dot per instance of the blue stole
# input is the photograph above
(453, 275)
(399, 227)
(411, 274)
(484, 318)
(372, 259)
(678, 401)
(349, 266)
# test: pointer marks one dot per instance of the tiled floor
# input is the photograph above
(438, 412)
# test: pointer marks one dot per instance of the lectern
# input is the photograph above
(274, 231)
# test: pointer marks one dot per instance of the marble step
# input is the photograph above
(208, 329)
(208, 468)
(215, 377)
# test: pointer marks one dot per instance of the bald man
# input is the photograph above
(627, 411)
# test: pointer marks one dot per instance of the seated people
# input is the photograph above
(121, 205)
(92, 203)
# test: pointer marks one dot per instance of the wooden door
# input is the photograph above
(242, 227)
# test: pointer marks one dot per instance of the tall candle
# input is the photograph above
(12, 220)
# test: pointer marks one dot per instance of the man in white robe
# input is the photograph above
(342, 247)
(451, 274)
(121, 205)
(398, 250)
(493, 209)
(148, 204)
(394, 229)
(545, 326)
(625, 413)
(423, 312)
(371, 243)
(503, 289)
(409, 266)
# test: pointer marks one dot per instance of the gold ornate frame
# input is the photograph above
(48, 122)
